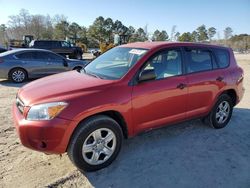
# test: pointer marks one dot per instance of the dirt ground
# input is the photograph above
(189, 154)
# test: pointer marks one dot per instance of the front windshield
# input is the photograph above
(115, 63)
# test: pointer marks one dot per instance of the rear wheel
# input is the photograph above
(95, 144)
(221, 112)
(18, 75)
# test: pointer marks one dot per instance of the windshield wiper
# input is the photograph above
(92, 74)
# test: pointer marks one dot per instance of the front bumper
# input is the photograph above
(50, 136)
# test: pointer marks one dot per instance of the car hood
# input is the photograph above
(61, 87)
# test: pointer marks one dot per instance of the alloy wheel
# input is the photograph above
(99, 146)
(18, 76)
(222, 112)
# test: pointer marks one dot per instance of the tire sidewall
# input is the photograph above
(17, 69)
(81, 135)
(213, 120)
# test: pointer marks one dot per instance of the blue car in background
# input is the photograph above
(21, 64)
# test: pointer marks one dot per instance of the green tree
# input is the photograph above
(118, 26)
(138, 36)
(142, 36)
(108, 26)
(177, 34)
(185, 37)
(131, 30)
(83, 35)
(74, 31)
(97, 29)
(194, 36)
(160, 35)
(202, 32)
(228, 32)
(62, 30)
(211, 32)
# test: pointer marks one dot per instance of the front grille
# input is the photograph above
(20, 105)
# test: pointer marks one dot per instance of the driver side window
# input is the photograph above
(166, 64)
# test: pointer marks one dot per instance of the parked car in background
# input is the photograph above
(2, 50)
(127, 90)
(21, 64)
(60, 47)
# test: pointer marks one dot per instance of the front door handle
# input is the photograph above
(49, 63)
(181, 86)
(220, 79)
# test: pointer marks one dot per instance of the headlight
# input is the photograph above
(45, 111)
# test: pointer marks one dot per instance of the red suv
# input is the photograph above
(127, 90)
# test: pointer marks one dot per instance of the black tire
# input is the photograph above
(219, 122)
(18, 75)
(83, 134)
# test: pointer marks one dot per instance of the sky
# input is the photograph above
(187, 15)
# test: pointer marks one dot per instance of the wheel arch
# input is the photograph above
(17, 68)
(109, 113)
(231, 93)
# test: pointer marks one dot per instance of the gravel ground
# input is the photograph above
(184, 155)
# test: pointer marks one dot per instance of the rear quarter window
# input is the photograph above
(222, 57)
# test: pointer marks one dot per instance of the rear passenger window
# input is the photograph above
(25, 55)
(198, 60)
(222, 57)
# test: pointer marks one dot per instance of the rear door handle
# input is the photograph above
(181, 86)
(220, 79)
(49, 63)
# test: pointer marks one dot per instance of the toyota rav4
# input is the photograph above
(127, 90)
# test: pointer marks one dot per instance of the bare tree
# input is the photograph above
(173, 32)
(37, 26)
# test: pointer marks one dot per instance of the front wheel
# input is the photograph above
(18, 75)
(221, 112)
(95, 144)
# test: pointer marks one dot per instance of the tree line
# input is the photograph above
(103, 30)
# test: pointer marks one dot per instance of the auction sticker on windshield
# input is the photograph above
(137, 51)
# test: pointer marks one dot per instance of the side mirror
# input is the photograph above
(65, 63)
(146, 75)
